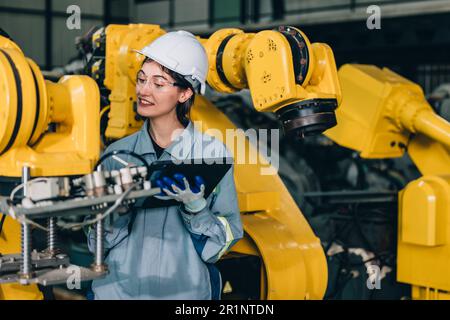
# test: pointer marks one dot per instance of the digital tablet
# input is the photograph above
(212, 170)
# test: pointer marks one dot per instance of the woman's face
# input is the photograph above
(156, 96)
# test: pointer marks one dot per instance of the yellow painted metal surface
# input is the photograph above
(43, 114)
(426, 293)
(212, 45)
(257, 201)
(367, 111)
(425, 204)
(430, 157)
(234, 59)
(6, 43)
(10, 243)
(18, 99)
(294, 261)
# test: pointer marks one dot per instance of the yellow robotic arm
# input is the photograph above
(52, 128)
(284, 72)
(390, 115)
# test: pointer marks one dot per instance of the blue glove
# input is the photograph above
(179, 189)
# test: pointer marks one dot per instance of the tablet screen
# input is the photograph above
(212, 170)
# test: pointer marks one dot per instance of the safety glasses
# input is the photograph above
(158, 83)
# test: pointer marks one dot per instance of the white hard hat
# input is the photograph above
(181, 52)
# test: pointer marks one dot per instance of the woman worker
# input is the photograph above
(169, 252)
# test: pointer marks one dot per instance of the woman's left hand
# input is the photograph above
(180, 190)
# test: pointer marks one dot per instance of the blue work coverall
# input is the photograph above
(165, 253)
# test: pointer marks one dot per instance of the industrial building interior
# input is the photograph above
(359, 210)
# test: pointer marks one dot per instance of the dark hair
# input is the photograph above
(182, 109)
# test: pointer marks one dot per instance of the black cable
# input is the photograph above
(363, 236)
(103, 125)
(361, 179)
(127, 152)
(1, 222)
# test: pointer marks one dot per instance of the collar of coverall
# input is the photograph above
(144, 143)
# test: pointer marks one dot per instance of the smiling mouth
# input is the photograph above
(145, 102)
